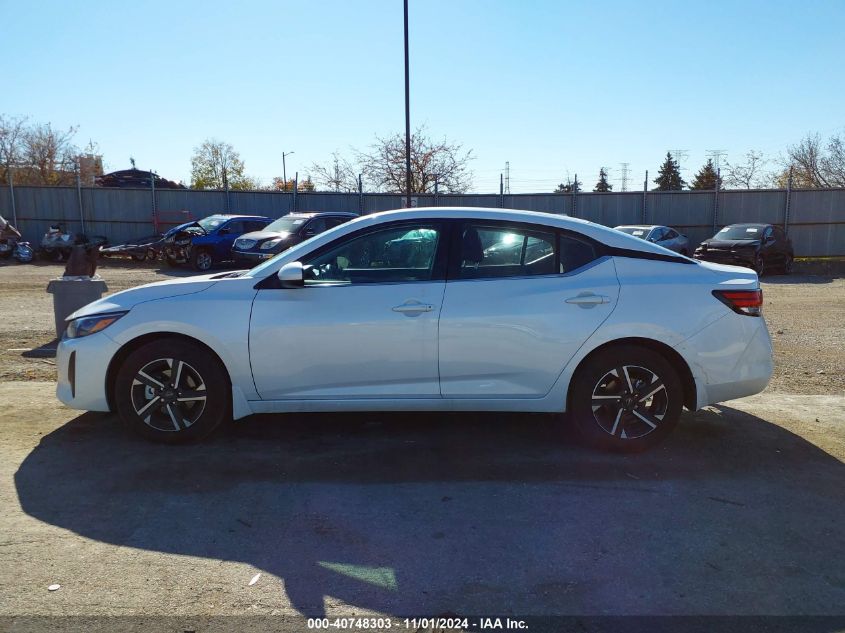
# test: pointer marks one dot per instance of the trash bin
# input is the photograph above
(71, 294)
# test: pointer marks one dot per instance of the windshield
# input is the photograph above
(740, 233)
(211, 222)
(285, 224)
(633, 230)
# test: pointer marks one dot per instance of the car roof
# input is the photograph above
(641, 226)
(232, 216)
(748, 224)
(599, 232)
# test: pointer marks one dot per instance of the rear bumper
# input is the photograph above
(82, 365)
(724, 366)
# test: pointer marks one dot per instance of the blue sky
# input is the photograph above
(553, 87)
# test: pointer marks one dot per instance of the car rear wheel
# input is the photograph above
(625, 399)
(201, 260)
(172, 391)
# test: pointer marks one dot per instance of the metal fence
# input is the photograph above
(813, 218)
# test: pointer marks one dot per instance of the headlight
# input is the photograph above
(84, 326)
(266, 246)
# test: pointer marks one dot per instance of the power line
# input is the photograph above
(680, 156)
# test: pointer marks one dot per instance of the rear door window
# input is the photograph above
(503, 251)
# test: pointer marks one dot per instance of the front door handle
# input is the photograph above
(413, 308)
(588, 299)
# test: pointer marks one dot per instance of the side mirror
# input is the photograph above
(291, 275)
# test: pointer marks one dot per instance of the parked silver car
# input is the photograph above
(664, 236)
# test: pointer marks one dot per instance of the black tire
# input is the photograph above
(626, 432)
(202, 384)
(139, 257)
(202, 260)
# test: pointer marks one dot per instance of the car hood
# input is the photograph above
(265, 235)
(713, 243)
(127, 299)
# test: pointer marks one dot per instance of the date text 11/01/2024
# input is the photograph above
(414, 624)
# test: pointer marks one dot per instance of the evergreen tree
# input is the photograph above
(602, 185)
(706, 177)
(669, 175)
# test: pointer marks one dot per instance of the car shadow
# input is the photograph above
(45, 350)
(415, 514)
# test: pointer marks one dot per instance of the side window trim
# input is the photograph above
(438, 272)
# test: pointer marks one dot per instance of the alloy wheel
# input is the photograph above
(168, 394)
(203, 260)
(629, 402)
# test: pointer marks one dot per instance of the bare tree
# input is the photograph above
(12, 131)
(215, 164)
(340, 175)
(751, 173)
(432, 161)
(817, 164)
(50, 154)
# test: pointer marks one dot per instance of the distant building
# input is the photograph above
(136, 178)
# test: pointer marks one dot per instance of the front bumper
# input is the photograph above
(252, 256)
(733, 258)
(82, 364)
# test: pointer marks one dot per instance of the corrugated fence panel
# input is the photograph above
(382, 202)
(816, 218)
(171, 203)
(268, 203)
(817, 221)
(39, 207)
(324, 202)
(468, 200)
(737, 207)
(546, 202)
(691, 213)
(610, 209)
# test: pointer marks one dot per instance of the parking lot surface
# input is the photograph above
(741, 511)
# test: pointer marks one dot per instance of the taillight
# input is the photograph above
(748, 302)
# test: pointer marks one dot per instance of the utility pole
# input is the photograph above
(679, 155)
(507, 176)
(285, 171)
(645, 196)
(407, 118)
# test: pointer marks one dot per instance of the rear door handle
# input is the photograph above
(588, 299)
(413, 308)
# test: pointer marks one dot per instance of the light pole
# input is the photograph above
(285, 171)
(407, 119)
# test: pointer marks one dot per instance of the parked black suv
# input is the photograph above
(763, 247)
(252, 248)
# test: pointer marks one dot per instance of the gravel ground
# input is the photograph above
(805, 313)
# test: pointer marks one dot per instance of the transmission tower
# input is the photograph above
(507, 176)
(716, 156)
(625, 169)
(680, 156)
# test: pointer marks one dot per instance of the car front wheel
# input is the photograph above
(172, 391)
(625, 399)
(201, 260)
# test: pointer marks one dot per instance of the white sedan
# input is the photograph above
(430, 310)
